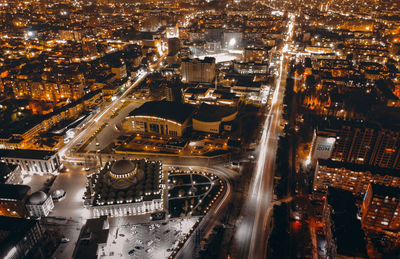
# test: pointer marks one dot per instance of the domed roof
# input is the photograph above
(122, 167)
(37, 198)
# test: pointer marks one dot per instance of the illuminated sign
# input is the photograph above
(323, 147)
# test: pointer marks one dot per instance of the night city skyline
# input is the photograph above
(204, 129)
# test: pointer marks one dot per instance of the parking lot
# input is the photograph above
(155, 239)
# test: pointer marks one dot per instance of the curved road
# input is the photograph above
(212, 218)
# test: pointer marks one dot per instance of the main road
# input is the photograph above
(252, 230)
(104, 115)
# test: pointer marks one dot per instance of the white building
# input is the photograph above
(322, 144)
(39, 204)
(32, 161)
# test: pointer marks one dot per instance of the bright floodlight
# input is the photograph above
(232, 42)
(308, 161)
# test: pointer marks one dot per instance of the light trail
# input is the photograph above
(251, 237)
(97, 118)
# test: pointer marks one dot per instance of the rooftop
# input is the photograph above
(93, 233)
(5, 169)
(122, 167)
(27, 153)
(37, 198)
(346, 228)
(385, 191)
(163, 109)
(213, 113)
(13, 191)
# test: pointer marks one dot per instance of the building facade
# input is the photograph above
(39, 204)
(352, 177)
(13, 199)
(381, 209)
(359, 143)
(198, 71)
(33, 161)
(19, 237)
(160, 117)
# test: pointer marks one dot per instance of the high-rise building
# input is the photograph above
(174, 45)
(174, 93)
(344, 235)
(359, 143)
(354, 143)
(351, 177)
(198, 71)
(381, 209)
(387, 149)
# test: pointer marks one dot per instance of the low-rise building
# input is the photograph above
(160, 117)
(256, 54)
(33, 161)
(247, 68)
(13, 199)
(214, 118)
(92, 239)
(127, 187)
(199, 95)
(39, 204)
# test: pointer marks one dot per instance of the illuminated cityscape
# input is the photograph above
(204, 129)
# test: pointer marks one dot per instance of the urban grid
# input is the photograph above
(199, 129)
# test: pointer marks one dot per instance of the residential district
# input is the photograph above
(199, 129)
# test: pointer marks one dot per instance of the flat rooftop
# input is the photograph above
(346, 228)
(27, 154)
(13, 191)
